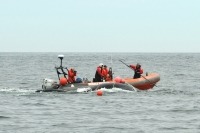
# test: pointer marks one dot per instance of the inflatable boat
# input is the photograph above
(142, 83)
(145, 82)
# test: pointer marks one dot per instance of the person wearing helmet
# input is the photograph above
(99, 73)
(71, 75)
(138, 70)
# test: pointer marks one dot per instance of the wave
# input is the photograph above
(4, 117)
(16, 90)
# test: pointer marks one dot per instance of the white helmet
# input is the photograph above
(101, 64)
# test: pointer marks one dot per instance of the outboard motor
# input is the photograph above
(49, 84)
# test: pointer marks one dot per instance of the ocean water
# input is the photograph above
(171, 107)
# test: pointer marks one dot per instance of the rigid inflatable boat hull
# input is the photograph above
(145, 82)
(91, 87)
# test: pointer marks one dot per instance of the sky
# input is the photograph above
(100, 26)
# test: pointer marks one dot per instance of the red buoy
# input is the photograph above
(99, 92)
(63, 81)
(118, 79)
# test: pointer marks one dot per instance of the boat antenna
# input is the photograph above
(111, 66)
(61, 67)
(111, 69)
(61, 58)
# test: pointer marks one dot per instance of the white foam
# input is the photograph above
(115, 90)
(83, 89)
(6, 89)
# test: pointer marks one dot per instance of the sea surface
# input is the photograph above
(171, 107)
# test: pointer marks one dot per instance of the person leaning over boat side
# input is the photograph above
(99, 73)
(138, 70)
(71, 75)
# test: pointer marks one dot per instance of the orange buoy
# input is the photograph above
(99, 92)
(63, 81)
(117, 79)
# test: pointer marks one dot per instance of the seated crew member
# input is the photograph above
(71, 75)
(106, 74)
(99, 73)
(138, 70)
(110, 75)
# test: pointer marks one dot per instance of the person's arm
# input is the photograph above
(69, 73)
(133, 67)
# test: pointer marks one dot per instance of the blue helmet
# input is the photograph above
(78, 80)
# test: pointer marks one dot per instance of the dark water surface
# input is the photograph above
(172, 107)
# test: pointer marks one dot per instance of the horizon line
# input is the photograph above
(86, 52)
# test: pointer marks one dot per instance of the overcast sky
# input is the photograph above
(100, 26)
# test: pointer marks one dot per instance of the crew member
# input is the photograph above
(138, 70)
(110, 75)
(71, 75)
(106, 74)
(99, 73)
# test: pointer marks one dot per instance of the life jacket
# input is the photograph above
(137, 73)
(109, 76)
(105, 72)
(71, 76)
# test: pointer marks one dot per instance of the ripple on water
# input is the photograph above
(4, 117)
